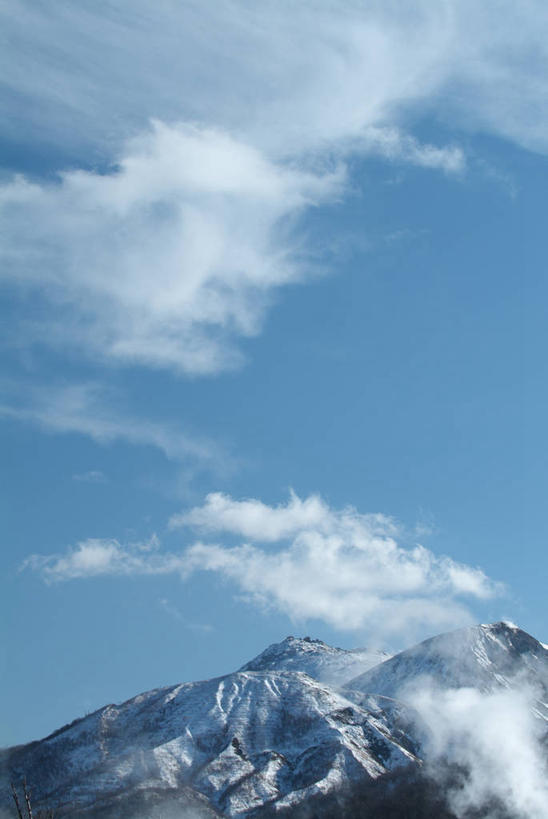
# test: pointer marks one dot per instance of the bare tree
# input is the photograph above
(42, 814)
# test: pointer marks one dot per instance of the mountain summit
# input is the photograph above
(319, 660)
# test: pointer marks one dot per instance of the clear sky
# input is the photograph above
(274, 360)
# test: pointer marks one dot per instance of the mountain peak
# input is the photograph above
(485, 656)
(317, 659)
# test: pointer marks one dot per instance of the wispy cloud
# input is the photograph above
(392, 144)
(167, 258)
(92, 476)
(289, 77)
(176, 614)
(97, 557)
(174, 248)
(89, 409)
(336, 565)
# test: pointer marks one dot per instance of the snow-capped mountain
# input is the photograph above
(266, 738)
(320, 661)
(243, 741)
(482, 657)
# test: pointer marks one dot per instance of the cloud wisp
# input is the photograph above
(308, 561)
(97, 557)
(291, 78)
(91, 476)
(172, 611)
(89, 409)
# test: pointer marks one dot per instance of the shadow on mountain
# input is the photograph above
(402, 794)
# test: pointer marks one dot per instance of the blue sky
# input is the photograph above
(274, 302)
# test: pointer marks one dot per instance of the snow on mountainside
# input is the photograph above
(243, 740)
(325, 663)
(266, 736)
(484, 657)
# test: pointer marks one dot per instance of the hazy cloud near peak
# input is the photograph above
(493, 737)
(339, 566)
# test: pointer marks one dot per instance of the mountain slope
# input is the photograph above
(484, 657)
(243, 740)
(323, 662)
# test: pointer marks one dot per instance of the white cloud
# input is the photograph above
(391, 144)
(494, 738)
(89, 409)
(254, 519)
(288, 76)
(175, 248)
(96, 557)
(163, 260)
(335, 565)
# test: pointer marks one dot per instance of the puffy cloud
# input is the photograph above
(96, 557)
(335, 565)
(494, 739)
(254, 519)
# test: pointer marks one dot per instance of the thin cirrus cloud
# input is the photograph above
(308, 561)
(91, 410)
(289, 77)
